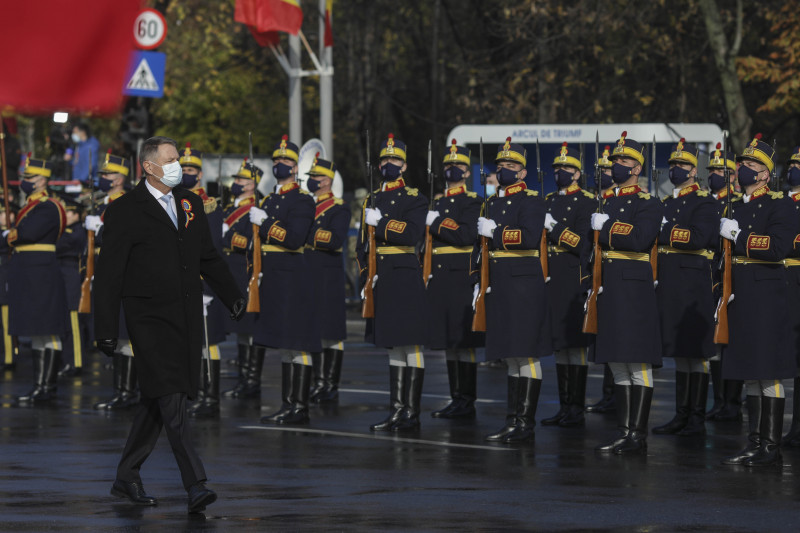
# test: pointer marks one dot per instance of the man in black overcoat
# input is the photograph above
(156, 246)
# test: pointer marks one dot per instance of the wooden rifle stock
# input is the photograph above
(427, 262)
(368, 307)
(253, 299)
(85, 304)
(543, 255)
(721, 327)
(590, 317)
(479, 318)
(654, 260)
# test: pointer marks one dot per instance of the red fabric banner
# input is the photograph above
(264, 16)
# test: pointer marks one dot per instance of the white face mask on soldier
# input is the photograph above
(173, 173)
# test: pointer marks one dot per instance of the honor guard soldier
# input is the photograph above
(605, 189)
(237, 237)
(792, 438)
(9, 342)
(114, 171)
(287, 321)
(401, 316)
(762, 229)
(517, 309)
(727, 393)
(69, 251)
(453, 225)
(324, 257)
(215, 315)
(628, 336)
(685, 299)
(567, 222)
(37, 301)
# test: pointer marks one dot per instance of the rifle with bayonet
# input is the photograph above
(253, 298)
(85, 303)
(543, 240)
(590, 315)
(479, 318)
(368, 307)
(721, 316)
(427, 263)
(654, 177)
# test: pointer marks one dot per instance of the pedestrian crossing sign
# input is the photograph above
(145, 74)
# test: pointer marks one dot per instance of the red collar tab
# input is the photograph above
(324, 196)
(688, 190)
(247, 201)
(396, 184)
(572, 189)
(761, 191)
(201, 192)
(289, 187)
(626, 191)
(608, 193)
(514, 189)
(461, 189)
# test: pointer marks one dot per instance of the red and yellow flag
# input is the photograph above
(328, 38)
(266, 17)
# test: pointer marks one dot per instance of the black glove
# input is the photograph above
(237, 311)
(107, 346)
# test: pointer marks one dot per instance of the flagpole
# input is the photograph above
(295, 94)
(325, 85)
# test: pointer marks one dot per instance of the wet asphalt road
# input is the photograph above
(58, 463)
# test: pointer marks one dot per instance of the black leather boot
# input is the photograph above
(636, 441)
(792, 438)
(622, 398)
(511, 412)
(562, 378)
(397, 389)
(681, 417)
(52, 360)
(242, 355)
(754, 434)
(468, 391)
(301, 386)
(116, 382)
(698, 396)
(771, 428)
(250, 385)
(287, 396)
(455, 396)
(606, 404)
(409, 420)
(333, 373)
(732, 410)
(577, 397)
(124, 385)
(716, 382)
(525, 419)
(318, 363)
(39, 393)
(208, 405)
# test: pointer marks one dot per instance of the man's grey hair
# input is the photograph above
(150, 148)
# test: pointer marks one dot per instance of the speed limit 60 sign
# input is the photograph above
(150, 29)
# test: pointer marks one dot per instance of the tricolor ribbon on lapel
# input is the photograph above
(187, 209)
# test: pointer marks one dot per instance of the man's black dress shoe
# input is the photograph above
(199, 497)
(133, 491)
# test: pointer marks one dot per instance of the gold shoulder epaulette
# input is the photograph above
(303, 191)
(338, 201)
(643, 195)
(702, 193)
(210, 205)
(588, 194)
(531, 192)
(472, 194)
(736, 198)
(775, 195)
(411, 191)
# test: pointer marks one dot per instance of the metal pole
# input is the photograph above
(295, 95)
(325, 87)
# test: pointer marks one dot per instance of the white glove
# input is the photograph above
(598, 219)
(92, 223)
(549, 222)
(476, 289)
(663, 221)
(225, 229)
(257, 215)
(374, 282)
(655, 284)
(729, 229)
(372, 216)
(6, 232)
(207, 300)
(432, 215)
(486, 226)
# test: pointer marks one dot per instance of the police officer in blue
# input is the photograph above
(727, 394)
(215, 315)
(762, 229)
(453, 225)
(69, 251)
(628, 336)
(517, 310)
(38, 302)
(401, 316)
(569, 244)
(114, 172)
(237, 236)
(792, 261)
(685, 299)
(287, 320)
(605, 189)
(324, 257)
